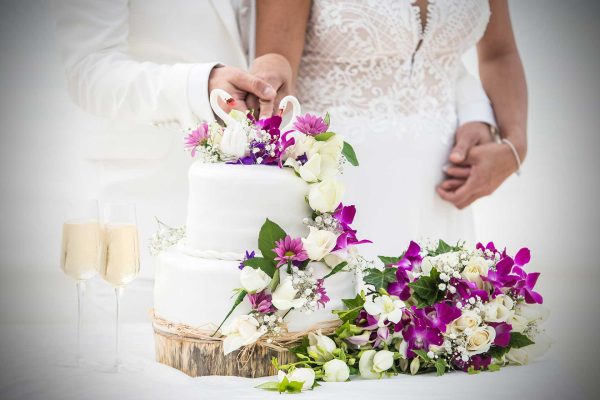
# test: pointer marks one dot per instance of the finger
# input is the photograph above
(254, 85)
(464, 141)
(456, 171)
(452, 184)
(458, 196)
(253, 104)
(266, 108)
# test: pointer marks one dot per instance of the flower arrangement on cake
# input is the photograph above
(435, 308)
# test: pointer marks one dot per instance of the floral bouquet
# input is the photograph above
(435, 308)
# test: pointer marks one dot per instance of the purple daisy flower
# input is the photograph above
(310, 125)
(261, 302)
(289, 250)
(196, 138)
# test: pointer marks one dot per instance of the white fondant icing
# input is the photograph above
(229, 203)
(197, 291)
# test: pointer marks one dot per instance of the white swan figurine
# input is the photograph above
(215, 95)
(296, 110)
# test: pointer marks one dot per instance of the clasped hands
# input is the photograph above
(477, 164)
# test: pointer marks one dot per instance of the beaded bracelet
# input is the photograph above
(514, 151)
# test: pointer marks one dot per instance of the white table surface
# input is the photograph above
(29, 370)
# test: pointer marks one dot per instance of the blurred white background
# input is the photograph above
(552, 208)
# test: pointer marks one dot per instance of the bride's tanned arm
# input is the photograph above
(503, 76)
(280, 33)
(487, 166)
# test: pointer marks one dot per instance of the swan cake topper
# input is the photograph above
(221, 94)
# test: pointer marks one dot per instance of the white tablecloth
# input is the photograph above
(31, 354)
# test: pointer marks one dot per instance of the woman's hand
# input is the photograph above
(485, 168)
(239, 84)
(276, 70)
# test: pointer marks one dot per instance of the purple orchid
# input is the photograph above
(247, 257)
(289, 250)
(465, 290)
(345, 216)
(525, 285)
(501, 277)
(366, 320)
(261, 302)
(196, 138)
(478, 362)
(399, 288)
(502, 333)
(382, 337)
(411, 257)
(310, 125)
(441, 314)
(420, 335)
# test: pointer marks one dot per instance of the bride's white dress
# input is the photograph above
(388, 80)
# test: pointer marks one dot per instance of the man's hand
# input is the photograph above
(239, 84)
(275, 70)
(467, 136)
(486, 167)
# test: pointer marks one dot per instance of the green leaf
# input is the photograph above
(472, 371)
(267, 266)
(302, 348)
(336, 269)
(422, 354)
(440, 366)
(294, 387)
(270, 233)
(494, 367)
(273, 385)
(518, 340)
(498, 352)
(241, 296)
(348, 152)
(275, 281)
(444, 247)
(347, 329)
(283, 384)
(425, 289)
(323, 137)
(380, 278)
(353, 308)
(327, 119)
(389, 260)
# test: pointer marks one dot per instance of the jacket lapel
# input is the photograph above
(227, 15)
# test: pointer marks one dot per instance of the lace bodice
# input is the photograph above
(376, 59)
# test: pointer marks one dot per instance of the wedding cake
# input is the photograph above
(227, 205)
(268, 251)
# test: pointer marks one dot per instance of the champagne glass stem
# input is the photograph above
(80, 294)
(118, 295)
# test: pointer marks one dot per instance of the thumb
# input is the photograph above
(461, 148)
(252, 84)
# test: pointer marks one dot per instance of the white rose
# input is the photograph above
(319, 243)
(533, 312)
(518, 356)
(302, 144)
(365, 365)
(518, 322)
(505, 300)
(284, 297)
(316, 168)
(496, 312)
(331, 148)
(480, 340)
(326, 195)
(335, 258)
(383, 360)
(242, 331)
(384, 307)
(235, 141)
(475, 269)
(320, 346)
(468, 320)
(336, 371)
(304, 375)
(254, 279)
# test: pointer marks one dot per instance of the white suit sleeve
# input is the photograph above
(472, 104)
(104, 78)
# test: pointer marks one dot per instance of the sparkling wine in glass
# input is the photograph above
(121, 256)
(81, 251)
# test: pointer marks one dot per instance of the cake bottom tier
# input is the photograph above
(199, 292)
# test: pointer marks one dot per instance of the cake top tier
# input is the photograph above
(228, 204)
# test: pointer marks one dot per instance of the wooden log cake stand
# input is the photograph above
(196, 352)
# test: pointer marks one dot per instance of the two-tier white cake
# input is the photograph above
(195, 281)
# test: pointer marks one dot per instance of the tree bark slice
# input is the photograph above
(197, 357)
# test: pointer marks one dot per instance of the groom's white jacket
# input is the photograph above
(143, 67)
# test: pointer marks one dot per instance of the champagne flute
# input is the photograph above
(81, 252)
(122, 257)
